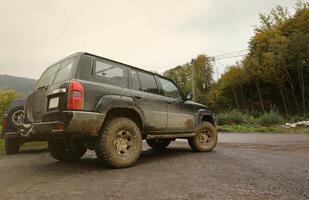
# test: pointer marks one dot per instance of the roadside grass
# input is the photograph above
(28, 145)
(271, 122)
(245, 128)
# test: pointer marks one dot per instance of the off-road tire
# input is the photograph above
(158, 144)
(197, 143)
(108, 149)
(12, 146)
(61, 150)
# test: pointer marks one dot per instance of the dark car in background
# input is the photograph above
(9, 132)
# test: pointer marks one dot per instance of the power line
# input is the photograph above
(233, 52)
(231, 57)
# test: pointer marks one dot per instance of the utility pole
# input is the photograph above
(193, 79)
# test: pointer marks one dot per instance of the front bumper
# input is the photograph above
(74, 123)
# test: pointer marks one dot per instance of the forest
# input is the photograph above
(274, 75)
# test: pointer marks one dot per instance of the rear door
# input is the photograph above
(49, 96)
(146, 97)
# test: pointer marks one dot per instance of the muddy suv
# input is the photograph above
(89, 102)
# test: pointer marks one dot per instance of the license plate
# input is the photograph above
(53, 103)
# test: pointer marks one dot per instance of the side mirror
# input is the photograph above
(189, 96)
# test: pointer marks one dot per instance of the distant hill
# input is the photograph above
(20, 84)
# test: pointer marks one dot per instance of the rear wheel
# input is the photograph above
(12, 146)
(66, 150)
(158, 144)
(205, 139)
(120, 143)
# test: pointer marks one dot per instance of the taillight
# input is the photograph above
(75, 96)
(4, 123)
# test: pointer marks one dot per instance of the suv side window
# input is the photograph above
(65, 69)
(148, 83)
(135, 83)
(111, 73)
(47, 77)
(169, 88)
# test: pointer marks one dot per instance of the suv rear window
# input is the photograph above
(62, 69)
(47, 77)
(148, 83)
(112, 73)
(64, 72)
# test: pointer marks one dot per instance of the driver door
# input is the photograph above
(180, 117)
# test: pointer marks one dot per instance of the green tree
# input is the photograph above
(6, 98)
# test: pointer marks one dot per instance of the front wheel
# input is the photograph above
(66, 150)
(120, 143)
(12, 146)
(206, 138)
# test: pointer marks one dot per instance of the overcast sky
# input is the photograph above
(154, 35)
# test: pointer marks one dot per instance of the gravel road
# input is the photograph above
(243, 166)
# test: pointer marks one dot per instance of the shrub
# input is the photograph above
(229, 118)
(270, 118)
(6, 97)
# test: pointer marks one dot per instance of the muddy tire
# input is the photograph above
(205, 139)
(65, 150)
(120, 143)
(12, 146)
(158, 144)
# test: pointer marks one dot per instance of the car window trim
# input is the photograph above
(179, 92)
(102, 79)
(154, 79)
(75, 58)
(131, 82)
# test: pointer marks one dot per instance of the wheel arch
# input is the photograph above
(205, 116)
(127, 112)
(120, 106)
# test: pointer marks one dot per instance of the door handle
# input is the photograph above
(169, 102)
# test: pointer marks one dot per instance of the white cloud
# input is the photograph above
(154, 35)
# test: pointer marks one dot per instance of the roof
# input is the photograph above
(90, 54)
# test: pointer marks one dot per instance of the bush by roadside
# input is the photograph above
(271, 118)
(235, 117)
(235, 121)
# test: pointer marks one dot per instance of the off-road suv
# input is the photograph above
(89, 102)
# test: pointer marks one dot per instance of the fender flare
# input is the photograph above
(204, 113)
(108, 102)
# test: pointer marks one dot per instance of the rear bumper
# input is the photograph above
(74, 123)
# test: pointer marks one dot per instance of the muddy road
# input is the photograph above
(243, 166)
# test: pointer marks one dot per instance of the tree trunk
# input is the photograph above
(242, 99)
(235, 99)
(250, 91)
(302, 87)
(260, 96)
(293, 89)
(283, 99)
